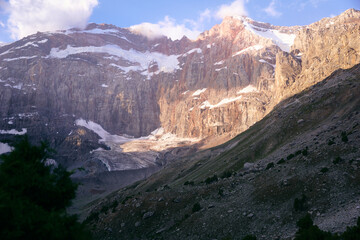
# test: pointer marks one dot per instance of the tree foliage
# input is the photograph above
(34, 197)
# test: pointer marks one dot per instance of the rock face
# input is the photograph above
(217, 86)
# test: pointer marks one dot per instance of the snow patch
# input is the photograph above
(207, 104)
(219, 63)
(248, 89)
(185, 92)
(199, 91)
(104, 85)
(5, 148)
(101, 132)
(19, 58)
(43, 41)
(264, 61)
(197, 50)
(255, 47)
(283, 40)
(14, 131)
(219, 69)
(141, 60)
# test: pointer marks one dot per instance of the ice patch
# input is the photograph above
(199, 91)
(248, 89)
(5, 148)
(14, 131)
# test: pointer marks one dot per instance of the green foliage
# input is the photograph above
(290, 156)
(226, 174)
(337, 160)
(211, 179)
(331, 142)
(352, 233)
(324, 170)
(308, 231)
(281, 161)
(94, 216)
(249, 237)
(298, 152)
(33, 197)
(196, 207)
(191, 183)
(344, 137)
(270, 165)
(300, 204)
(305, 151)
(221, 192)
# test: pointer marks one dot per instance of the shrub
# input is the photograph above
(300, 204)
(191, 183)
(305, 151)
(270, 165)
(249, 237)
(221, 192)
(211, 179)
(281, 161)
(298, 152)
(331, 142)
(226, 174)
(196, 207)
(337, 160)
(290, 156)
(308, 231)
(324, 170)
(344, 137)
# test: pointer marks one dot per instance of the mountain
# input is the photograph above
(122, 106)
(302, 157)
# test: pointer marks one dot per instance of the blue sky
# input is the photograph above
(19, 18)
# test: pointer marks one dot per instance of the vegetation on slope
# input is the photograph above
(34, 196)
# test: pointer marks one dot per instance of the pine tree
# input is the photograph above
(34, 197)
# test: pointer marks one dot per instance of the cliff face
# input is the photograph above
(218, 85)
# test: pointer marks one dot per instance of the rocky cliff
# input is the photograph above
(122, 83)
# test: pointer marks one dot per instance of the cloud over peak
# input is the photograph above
(271, 11)
(236, 8)
(30, 16)
(168, 27)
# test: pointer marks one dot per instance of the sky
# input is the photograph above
(173, 18)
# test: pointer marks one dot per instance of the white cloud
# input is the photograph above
(271, 11)
(30, 16)
(2, 24)
(168, 27)
(236, 8)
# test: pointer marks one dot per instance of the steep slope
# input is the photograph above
(308, 145)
